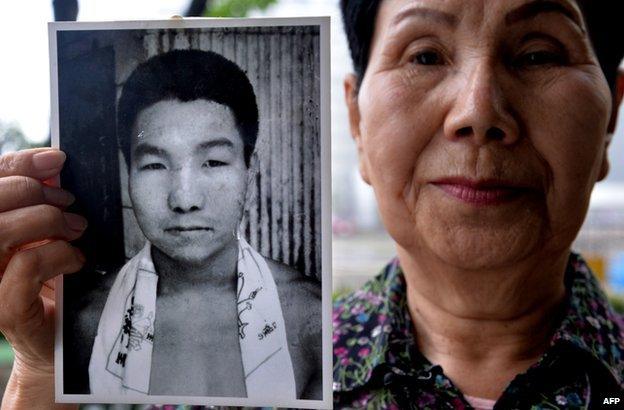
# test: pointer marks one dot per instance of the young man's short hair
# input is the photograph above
(188, 75)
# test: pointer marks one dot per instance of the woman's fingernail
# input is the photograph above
(57, 196)
(47, 160)
(75, 222)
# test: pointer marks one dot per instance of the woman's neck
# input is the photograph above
(483, 327)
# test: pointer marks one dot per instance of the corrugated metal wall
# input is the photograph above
(282, 217)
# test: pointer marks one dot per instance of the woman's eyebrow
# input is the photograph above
(537, 7)
(426, 13)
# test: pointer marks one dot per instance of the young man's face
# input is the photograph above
(187, 178)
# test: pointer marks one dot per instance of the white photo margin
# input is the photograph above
(325, 112)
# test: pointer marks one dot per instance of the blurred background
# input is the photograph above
(360, 245)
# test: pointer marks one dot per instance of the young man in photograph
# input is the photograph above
(199, 312)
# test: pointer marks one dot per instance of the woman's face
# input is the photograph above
(481, 126)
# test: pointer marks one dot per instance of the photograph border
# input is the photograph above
(326, 239)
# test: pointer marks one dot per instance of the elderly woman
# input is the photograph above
(482, 127)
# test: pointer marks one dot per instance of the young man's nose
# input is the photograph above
(481, 110)
(185, 195)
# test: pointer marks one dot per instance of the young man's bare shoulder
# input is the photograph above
(293, 284)
(300, 297)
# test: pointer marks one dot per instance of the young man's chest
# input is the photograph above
(196, 349)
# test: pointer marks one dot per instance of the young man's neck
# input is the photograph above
(218, 272)
(484, 328)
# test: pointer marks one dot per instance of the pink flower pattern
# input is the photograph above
(378, 366)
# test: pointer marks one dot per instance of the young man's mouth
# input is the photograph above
(188, 230)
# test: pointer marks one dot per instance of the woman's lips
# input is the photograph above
(481, 192)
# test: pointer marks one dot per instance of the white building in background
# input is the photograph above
(352, 199)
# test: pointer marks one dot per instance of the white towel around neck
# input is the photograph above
(122, 352)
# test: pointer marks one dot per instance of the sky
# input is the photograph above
(24, 70)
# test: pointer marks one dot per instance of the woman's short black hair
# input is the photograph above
(188, 75)
(601, 16)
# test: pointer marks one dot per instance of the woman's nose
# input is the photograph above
(481, 110)
(185, 193)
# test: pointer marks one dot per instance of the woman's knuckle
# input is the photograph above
(62, 248)
(27, 261)
(5, 321)
(67, 255)
(5, 223)
(23, 188)
(50, 213)
(30, 186)
(6, 243)
(8, 163)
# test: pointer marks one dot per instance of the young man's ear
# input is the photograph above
(351, 98)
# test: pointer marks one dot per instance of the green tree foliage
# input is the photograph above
(235, 8)
(617, 301)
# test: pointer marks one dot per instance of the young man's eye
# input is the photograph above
(212, 163)
(152, 166)
(539, 58)
(428, 57)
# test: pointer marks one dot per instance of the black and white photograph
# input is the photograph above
(198, 151)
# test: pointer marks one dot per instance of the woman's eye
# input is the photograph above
(540, 58)
(427, 58)
(211, 163)
(153, 166)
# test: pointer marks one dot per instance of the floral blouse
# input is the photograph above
(378, 366)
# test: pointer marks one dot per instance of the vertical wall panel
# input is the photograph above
(298, 71)
(274, 167)
(282, 218)
(264, 106)
(315, 110)
(286, 186)
(181, 40)
(308, 84)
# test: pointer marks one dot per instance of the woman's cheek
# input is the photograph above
(398, 125)
(574, 136)
(567, 125)
(394, 130)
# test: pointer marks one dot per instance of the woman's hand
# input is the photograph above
(34, 248)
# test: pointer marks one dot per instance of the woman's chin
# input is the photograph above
(476, 238)
(483, 247)
(480, 257)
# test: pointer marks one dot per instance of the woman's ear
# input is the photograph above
(604, 167)
(617, 100)
(351, 99)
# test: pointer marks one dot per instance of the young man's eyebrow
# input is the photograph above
(148, 149)
(426, 13)
(537, 7)
(219, 142)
